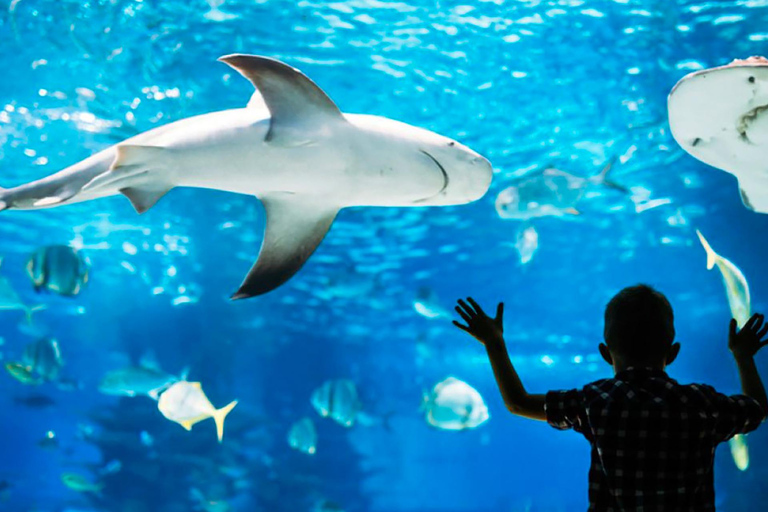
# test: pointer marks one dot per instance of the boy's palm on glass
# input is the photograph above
(747, 341)
(484, 328)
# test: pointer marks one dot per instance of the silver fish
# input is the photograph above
(455, 405)
(338, 400)
(303, 436)
(550, 192)
(58, 269)
(138, 380)
(44, 358)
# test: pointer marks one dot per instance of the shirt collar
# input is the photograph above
(640, 371)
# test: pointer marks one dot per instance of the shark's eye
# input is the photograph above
(451, 144)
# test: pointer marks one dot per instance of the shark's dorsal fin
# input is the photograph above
(298, 107)
(295, 226)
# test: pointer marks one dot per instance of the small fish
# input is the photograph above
(527, 243)
(80, 484)
(112, 467)
(10, 300)
(59, 269)
(146, 439)
(35, 401)
(550, 192)
(740, 451)
(338, 400)
(736, 287)
(186, 404)
(428, 305)
(455, 405)
(44, 357)
(203, 503)
(327, 506)
(303, 437)
(138, 380)
(216, 14)
(49, 441)
(23, 374)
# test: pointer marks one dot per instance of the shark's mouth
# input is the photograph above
(446, 179)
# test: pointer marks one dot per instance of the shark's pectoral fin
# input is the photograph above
(144, 197)
(294, 229)
(299, 109)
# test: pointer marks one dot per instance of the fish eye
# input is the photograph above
(451, 144)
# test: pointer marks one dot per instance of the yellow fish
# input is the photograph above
(79, 483)
(736, 288)
(186, 404)
(740, 451)
(22, 373)
(737, 291)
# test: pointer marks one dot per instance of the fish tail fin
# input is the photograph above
(29, 311)
(711, 254)
(218, 417)
(602, 178)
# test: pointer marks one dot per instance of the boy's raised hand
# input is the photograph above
(487, 330)
(747, 341)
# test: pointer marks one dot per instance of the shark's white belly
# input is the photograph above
(229, 151)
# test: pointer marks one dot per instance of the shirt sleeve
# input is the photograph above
(736, 414)
(565, 409)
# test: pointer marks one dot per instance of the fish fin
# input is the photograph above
(295, 102)
(130, 155)
(155, 393)
(29, 311)
(218, 417)
(145, 197)
(711, 254)
(187, 424)
(130, 161)
(602, 178)
(745, 199)
(59, 197)
(184, 374)
(572, 211)
(294, 229)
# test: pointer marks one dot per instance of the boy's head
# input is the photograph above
(639, 329)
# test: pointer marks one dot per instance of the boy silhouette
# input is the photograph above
(653, 440)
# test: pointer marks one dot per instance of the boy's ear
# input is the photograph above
(606, 353)
(674, 350)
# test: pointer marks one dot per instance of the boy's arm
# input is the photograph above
(744, 344)
(490, 332)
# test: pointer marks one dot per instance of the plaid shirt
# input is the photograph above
(653, 440)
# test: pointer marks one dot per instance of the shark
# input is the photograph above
(293, 149)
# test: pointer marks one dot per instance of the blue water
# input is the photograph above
(525, 83)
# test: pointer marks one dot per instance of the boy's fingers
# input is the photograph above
(475, 305)
(463, 315)
(462, 327)
(762, 332)
(733, 326)
(500, 311)
(467, 310)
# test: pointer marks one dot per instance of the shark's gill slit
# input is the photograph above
(446, 179)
